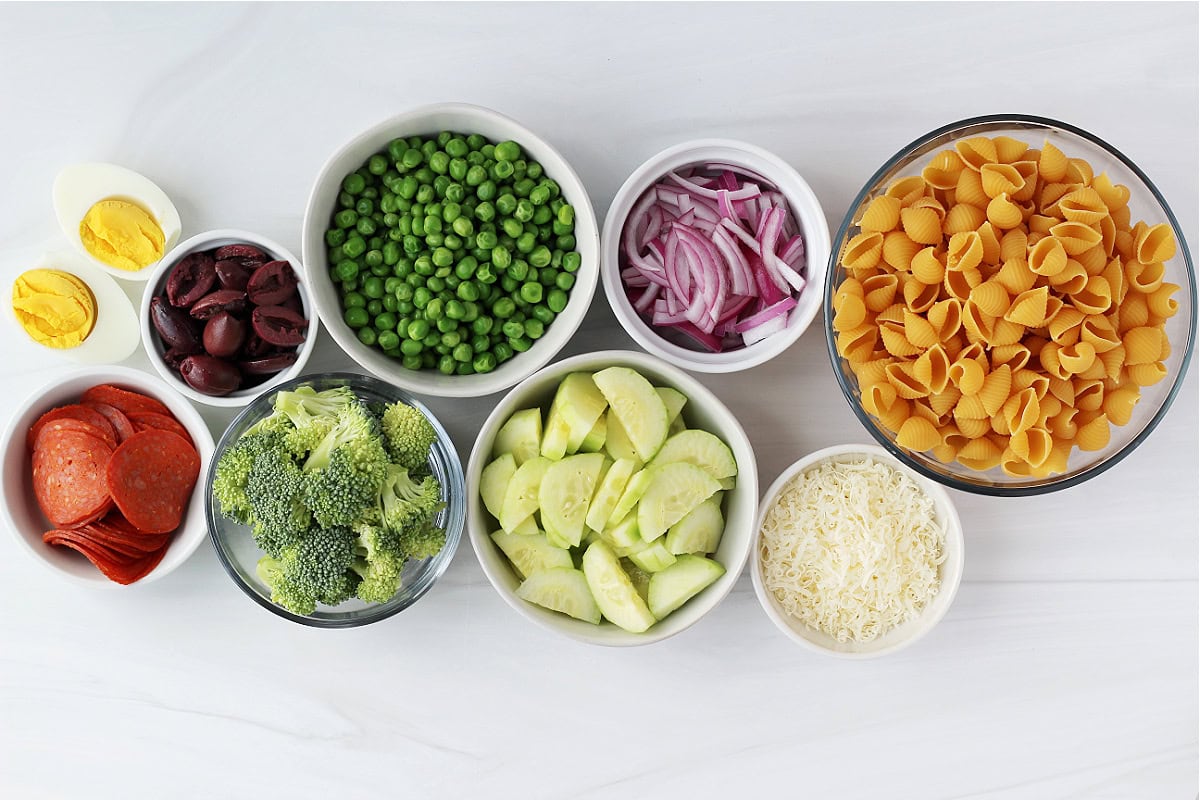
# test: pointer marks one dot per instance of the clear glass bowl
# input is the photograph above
(239, 554)
(1145, 203)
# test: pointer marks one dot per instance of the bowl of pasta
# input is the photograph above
(1011, 305)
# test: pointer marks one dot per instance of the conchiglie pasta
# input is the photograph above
(1160, 303)
(879, 292)
(1094, 435)
(907, 190)
(918, 434)
(1052, 165)
(863, 251)
(963, 217)
(898, 250)
(927, 267)
(998, 179)
(881, 215)
(1147, 374)
(943, 170)
(1009, 149)
(1142, 345)
(1083, 205)
(1118, 405)
(921, 224)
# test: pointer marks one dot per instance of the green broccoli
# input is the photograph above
(316, 569)
(405, 504)
(409, 435)
(378, 563)
(274, 488)
(233, 470)
(345, 470)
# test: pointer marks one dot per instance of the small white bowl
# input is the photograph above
(426, 121)
(950, 572)
(21, 512)
(703, 410)
(156, 285)
(805, 208)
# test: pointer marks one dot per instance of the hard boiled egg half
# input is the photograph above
(62, 304)
(119, 220)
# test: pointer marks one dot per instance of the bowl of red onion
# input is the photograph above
(713, 255)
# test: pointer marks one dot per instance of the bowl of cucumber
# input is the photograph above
(612, 499)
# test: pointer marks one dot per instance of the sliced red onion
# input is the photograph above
(766, 315)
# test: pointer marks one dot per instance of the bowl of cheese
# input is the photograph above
(856, 555)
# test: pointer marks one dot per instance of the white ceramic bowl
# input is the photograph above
(805, 208)
(21, 513)
(156, 285)
(950, 572)
(703, 410)
(425, 121)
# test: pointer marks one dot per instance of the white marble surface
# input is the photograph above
(1067, 667)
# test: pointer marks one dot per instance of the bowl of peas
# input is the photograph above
(450, 250)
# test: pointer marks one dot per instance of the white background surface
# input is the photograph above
(1067, 667)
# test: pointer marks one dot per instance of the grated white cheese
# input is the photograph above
(852, 548)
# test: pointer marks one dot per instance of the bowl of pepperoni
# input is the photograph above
(1011, 305)
(99, 472)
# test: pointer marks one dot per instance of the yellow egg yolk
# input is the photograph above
(121, 234)
(55, 308)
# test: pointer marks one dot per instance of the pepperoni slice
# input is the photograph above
(114, 528)
(73, 424)
(123, 399)
(125, 571)
(77, 411)
(150, 477)
(120, 423)
(146, 420)
(69, 477)
(98, 550)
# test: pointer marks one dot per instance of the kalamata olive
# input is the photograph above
(191, 279)
(278, 325)
(234, 273)
(271, 284)
(173, 358)
(209, 375)
(175, 327)
(254, 346)
(239, 251)
(223, 335)
(218, 301)
(268, 365)
(294, 303)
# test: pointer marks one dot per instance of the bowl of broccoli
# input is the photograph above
(335, 500)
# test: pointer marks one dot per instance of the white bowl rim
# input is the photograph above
(805, 207)
(241, 397)
(188, 416)
(584, 289)
(954, 570)
(477, 532)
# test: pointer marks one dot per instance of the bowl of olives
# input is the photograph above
(227, 315)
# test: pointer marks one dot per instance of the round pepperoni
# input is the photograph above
(69, 477)
(80, 412)
(150, 477)
(73, 424)
(117, 568)
(123, 399)
(145, 420)
(116, 418)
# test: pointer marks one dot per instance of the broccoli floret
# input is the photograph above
(378, 564)
(233, 471)
(316, 569)
(345, 470)
(425, 541)
(406, 504)
(409, 435)
(274, 488)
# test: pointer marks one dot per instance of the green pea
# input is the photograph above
(436, 283)
(566, 242)
(542, 314)
(391, 254)
(418, 329)
(386, 321)
(396, 148)
(485, 274)
(512, 329)
(463, 352)
(439, 162)
(445, 325)
(434, 309)
(519, 270)
(504, 308)
(502, 170)
(465, 268)
(354, 300)
(411, 347)
(451, 339)
(531, 292)
(475, 175)
(442, 257)
(540, 195)
(476, 141)
(524, 210)
(501, 257)
(435, 240)
(503, 351)
(547, 277)
(455, 192)
(487, 190)
(564, 281)
(482, 326)
(542, 215)
(484, 362)
(374, 307)
(512, 227)
(365, 207)
(572, 262)
(526, 244)
(523, 187)
(534, 328)
(389, 302)
(520, 343)
(346, 270)
(426, 193)
(510, 284)
(356, 317)
(354, 183)
(462, 226)
(447, 365)
(346, 218)
(452, 242)
(367, 336)
(486, 240)
(404, 225)
(507, 151)
(467, 291)
(485, 212)
(412, 158)
(334, 237)
(455, 310)
(373, 287)
(421, 297)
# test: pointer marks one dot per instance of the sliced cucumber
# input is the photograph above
(566, 492)
(589, 536)
(493, 482)
(521, 436)
(581, 404)
(680, 582)
(640, 410)
(624, 534)
(530, 554)
(700, 448)
(629, 498)
(609, 494)
(654, 558)
(629, 550)
(521, 496)
(700, 531)
(674, 490)
(594, 441)
(558, 541)
(613, 590)
(556, 435)
(616, 440)
(673, 399)
(527, 527)
(565, 590)
(638, 577)
(727, 483)
(677, 426)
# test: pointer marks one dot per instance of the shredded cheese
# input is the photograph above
(852, 548)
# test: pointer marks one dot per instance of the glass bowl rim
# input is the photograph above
(455, 521)
(993, 489)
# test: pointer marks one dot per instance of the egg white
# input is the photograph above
(80, 186)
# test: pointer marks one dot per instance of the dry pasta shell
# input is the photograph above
(1015, 275)
(1134, 312)
(1050, 195)
(1014, 245)
(943, 169)
(1048, 257)
(1123, 243)
(969, 191)
(932, 370)
(1089, 394)
(1121, 217)
(881, 215)
(1063, 323)
(1009, 149)
(991, 298)
(1048, 358)
(1079, 171)
(898, 250)
(967, 375)
(1039, 227)
(944, 453)
(995, 389)
(1031, 379)
(877, 398)
(869, 372)
(943, 402)
(998, 179)
(918, 434)
(919, 331)
(1094, 435)
(1075, 237)
(922, 410)
(1113, 361)
(894, 340)
(969, 406)
(933, 204)
(907, 190)
(1062, 424)
(858, 344)
(1063, 389)
(895, 415)
(1032, 445)
(1094, 260)
(963, 217)
(880, 291)
(1021, 410)
(973, 428)
(1014, 356)
(1114, 273)
(1056, 463)
(1160, 302)
(849, 313)
(1095, 372)
(1052, 164)
(1077, 358)
(979, 326)
(893, 313)
(1143, 345)
(980, 454)
(863, 251)
(1147, 374)
(1073, 278)
(919, 296)
(1113, 196)
(990, 240)
(1029, 307)
(965, 251)
(921, 224)
(1083, 205)
(946, 318)
(1005, 333)
(1108, 236)
(1094, 298)
(1144, 278)
(927, 267)
(1119, 404)
(976, 151)
(1097, 331)
(1028, 170)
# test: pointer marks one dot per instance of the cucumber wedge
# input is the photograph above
(677, 426)
(680, 582)
(624, 534)
(629, 550)
(616, 440)
(553, 538)
(654, 558)
(638, 577)
(566, 492)
(609, 493)
(521, 496)
(581, 404)
(565, 590)
(521, 436)
(530, 554)
(493, 482)
(640, 410)
(527, 527)
(557, 434)
(673, 399)
(674, 490)
(700, 448)
(629, 498)
(727, 483)
(700, 531)
(594, 441)
(613, 591)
